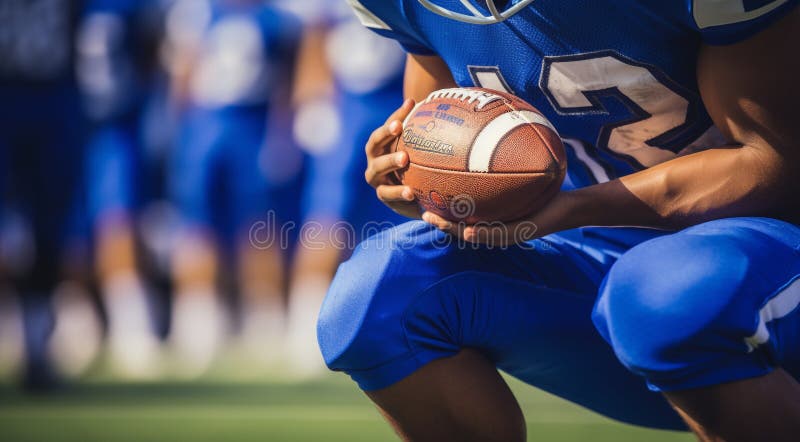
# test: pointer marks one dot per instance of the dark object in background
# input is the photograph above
(40, 170)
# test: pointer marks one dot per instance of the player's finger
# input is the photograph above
(499, 234)
(390, 130)
(440, 223)
(383, 136)
(402, 112)
(391, 194)
(409, 209)
(380, 166)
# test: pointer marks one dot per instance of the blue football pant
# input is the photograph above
(710, 304)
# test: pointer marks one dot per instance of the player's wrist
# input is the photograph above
(590, 206)
(564, 212)
(610, 204)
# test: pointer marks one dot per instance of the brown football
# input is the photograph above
(480, 155)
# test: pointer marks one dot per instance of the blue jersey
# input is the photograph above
(617, 77)
(39, 116)
(246, 50)
(227, 160)
(115, 56)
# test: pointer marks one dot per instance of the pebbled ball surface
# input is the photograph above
(478, 155)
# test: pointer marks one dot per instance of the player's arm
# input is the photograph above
(751, 91)
(424, 74)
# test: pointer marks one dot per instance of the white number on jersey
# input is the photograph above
(573, 83)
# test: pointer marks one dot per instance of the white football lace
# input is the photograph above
(467, 95)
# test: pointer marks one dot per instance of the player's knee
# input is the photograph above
(345, 309)
(661, 295)
(360, 322)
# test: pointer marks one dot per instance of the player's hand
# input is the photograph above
(553, 217)
(381, 164)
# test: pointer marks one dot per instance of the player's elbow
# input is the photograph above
(775, 172)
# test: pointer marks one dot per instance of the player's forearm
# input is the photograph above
(717, 183)
(750, 91)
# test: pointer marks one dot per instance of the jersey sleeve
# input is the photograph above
(387, 18)
(722, 22)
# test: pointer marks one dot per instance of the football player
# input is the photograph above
(115, 63)
(218, 175)
(680, 117)
(40, 154)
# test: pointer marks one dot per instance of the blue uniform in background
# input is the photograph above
(40, 154)
(223, 175)
(116, 73)
(368, 89)
(40, 123)
(710, 304)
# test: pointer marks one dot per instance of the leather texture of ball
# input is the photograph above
(478, 155)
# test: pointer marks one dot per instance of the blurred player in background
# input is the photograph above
(346, 78)
(232, 72)
(40, 156)
(115, 69)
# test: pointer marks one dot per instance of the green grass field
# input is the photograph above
(328, 410)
